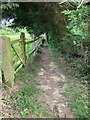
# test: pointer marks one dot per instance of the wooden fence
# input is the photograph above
(9, 64)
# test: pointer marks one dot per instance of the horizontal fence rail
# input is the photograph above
(13, 42)
(33, 40)
(14, 54)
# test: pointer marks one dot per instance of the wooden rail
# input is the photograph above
(33, 40)
(35, 48)
(17, 54)
(13, 42)
(9, 64)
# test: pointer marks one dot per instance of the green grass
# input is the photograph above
(25, 100)
(76, 93)
(77, 97)
(9, 32)
(17, 46)
(17, 36)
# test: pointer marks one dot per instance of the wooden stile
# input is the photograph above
(9, 64)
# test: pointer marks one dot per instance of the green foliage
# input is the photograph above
(68, 54)
(78, 24)
(9, 5)
(78, 100)
(12, 33)
(78, 28)
(37, 17)
(75, 43)
(6, 30)
(26, 104)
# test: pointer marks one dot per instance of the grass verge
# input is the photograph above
(76, 92)
(25, 99)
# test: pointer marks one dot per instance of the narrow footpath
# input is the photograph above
(53, 83)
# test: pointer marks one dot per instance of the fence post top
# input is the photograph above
(22, 35)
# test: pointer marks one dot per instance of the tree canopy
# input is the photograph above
(37, 17)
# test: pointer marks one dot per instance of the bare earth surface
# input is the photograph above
(53, 84)
(8, 109)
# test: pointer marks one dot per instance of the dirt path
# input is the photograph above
(52, 82)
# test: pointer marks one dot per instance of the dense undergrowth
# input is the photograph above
(70, 54)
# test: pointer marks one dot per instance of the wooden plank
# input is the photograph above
(18, 69)
(33, 45)
(38, 45)
(17, 54)
(17, 64)
(7, 62)
(31, 41)
(32, 52)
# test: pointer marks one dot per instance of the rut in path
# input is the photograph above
(50, 78)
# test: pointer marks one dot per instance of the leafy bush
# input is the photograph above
(68, 51)
(74, 45)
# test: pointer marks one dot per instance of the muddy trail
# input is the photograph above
(53, 83)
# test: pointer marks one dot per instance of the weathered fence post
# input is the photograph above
(34, 47)
(23, 47)
(33, 44)
(0, 61)
(7, 67)
(0, 77)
